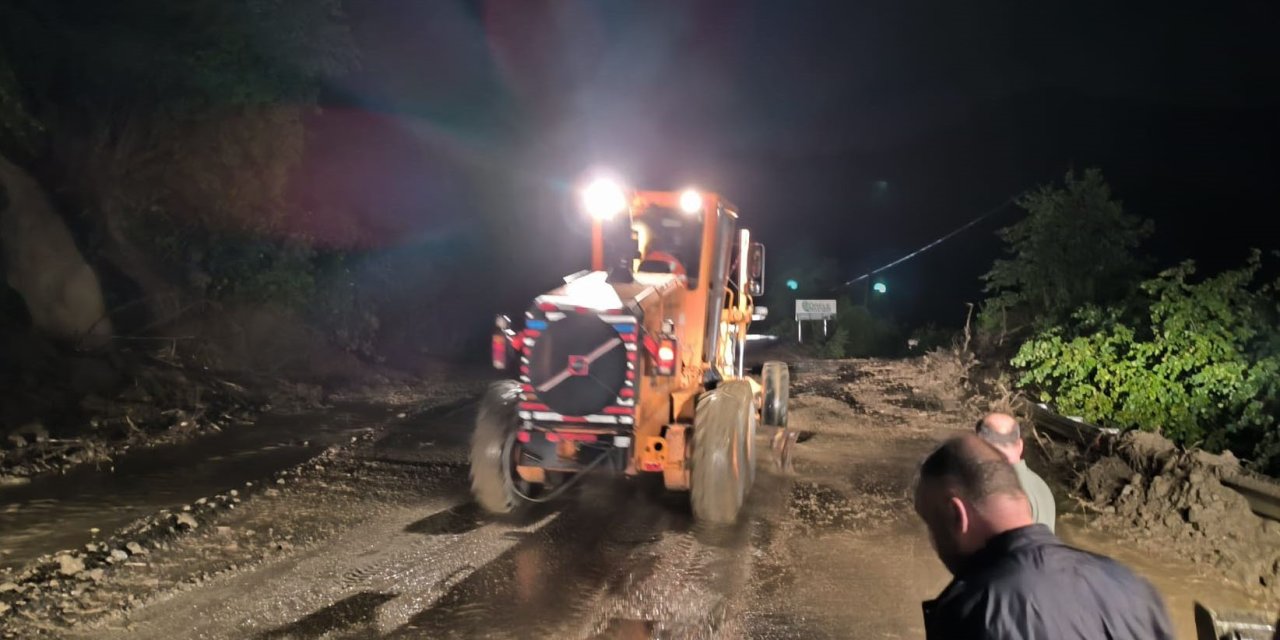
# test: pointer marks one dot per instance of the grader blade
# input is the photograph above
(1236, 625)
(783, 442)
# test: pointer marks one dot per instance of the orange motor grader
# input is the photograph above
(636, 365)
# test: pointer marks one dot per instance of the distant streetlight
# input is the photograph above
(880, 287)
(793, 285)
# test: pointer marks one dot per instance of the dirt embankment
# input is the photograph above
(60, 408)
(1138, 488)
(1155, 493)
(57, 423)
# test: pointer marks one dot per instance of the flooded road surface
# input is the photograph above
(57, 512)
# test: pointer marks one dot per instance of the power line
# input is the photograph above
(984, 216)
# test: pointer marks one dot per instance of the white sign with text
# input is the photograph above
(815, 309)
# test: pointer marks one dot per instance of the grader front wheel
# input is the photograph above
(719, 474)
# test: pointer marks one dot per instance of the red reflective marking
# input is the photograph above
(631, 356)
(553, 436)
(527, 388)
(628, 337)
(547, 306)
(533, 406)
(499, 352)
(532, 333)
(651, 346)
(524, 369)
(573, 419)
(582, 310)
(523, 436)
(618, 411)
(627, 393)
(631, 375)
(581, 437)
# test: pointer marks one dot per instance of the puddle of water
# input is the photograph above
(52, 513)
(353, 614)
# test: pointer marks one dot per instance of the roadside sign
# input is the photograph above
(815, 309)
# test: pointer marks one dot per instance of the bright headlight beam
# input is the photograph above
(690, 201)
(604, 198)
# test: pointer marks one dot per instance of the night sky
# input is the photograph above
(850, 130)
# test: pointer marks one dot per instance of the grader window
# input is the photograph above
(666, 233)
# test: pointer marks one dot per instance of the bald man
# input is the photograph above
(1013, 579)
(1003, 432)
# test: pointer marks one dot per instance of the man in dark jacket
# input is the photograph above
(1013, 579)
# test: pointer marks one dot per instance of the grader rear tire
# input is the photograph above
(720, 455)
(494, 481)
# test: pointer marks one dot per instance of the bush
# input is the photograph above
(836, 345)
(230, 267)
(1203, 366)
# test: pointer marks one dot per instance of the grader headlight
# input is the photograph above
(690, 201)
(604, 198)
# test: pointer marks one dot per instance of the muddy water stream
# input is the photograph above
(58, 511)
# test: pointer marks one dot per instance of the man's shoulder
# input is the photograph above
(1047, 566)
(1028, 592)
(1027, 475)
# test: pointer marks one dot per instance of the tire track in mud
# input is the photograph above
(365, 582)
(621, 561)
(550, 580)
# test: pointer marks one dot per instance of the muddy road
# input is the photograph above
(378, 539)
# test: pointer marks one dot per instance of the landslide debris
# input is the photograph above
(1158, 492)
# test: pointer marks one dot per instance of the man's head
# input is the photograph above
(968, 493)
(1002, 431)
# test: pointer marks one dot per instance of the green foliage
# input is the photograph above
(784, 328)
(1075, 247)
(860, 334)
(233, 267)
(836, 345)
(1202, 368)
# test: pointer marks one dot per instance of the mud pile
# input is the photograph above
(1158, 492)
(155, 403)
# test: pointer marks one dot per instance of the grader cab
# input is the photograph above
(636, 365)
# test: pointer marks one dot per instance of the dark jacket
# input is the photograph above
(1027, 584)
